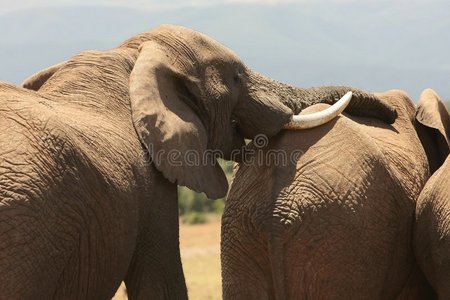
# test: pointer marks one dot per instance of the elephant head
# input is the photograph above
(433, 128)
(190, 94)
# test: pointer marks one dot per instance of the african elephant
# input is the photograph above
(92, 150)
(432, 227)
(327, 213)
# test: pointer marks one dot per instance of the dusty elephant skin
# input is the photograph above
(336, 222)
(432, 228)
(81, 208)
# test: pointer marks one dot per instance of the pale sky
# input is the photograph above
(11, 5)
(383, 44)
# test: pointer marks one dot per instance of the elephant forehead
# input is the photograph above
(202, 43)
(193, 45)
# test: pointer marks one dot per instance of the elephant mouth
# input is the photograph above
(234, 145)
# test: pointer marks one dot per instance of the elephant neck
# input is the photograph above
(93, 79)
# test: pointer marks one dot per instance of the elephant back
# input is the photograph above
(341, 202)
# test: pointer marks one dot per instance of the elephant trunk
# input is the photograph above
(271, 104)
(321, 117)
(260, 111)
(362, 103)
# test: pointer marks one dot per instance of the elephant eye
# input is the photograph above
(233, 121)
(237, 78)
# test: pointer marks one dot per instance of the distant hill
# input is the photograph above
(371, 46)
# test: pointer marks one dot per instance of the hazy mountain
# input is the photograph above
(376, 46)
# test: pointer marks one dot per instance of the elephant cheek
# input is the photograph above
(237, 143)
(228, 143)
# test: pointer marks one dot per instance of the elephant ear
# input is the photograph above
(434, 120)
(169, 128)
(37, 80)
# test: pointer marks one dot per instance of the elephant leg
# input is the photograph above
(244, 279)
(443, 292)
(417, 287)
(245, 264)
(155, 271)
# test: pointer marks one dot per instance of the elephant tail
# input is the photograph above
(276, 256)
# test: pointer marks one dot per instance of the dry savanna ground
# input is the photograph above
(200, 249)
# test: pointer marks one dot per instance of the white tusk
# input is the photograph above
(321, 117)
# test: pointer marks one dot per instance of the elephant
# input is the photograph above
(92, 150)
(328, 213)
(432, 223)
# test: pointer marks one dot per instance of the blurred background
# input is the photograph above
(375, 45)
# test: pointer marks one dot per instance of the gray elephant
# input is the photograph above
(328, 213)
(432, 228)
(82, 205)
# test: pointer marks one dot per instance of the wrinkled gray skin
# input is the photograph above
(81, 209)
(432, 228)
(335, 222)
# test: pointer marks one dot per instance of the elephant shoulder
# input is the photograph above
(34, 152)
(436, 191)
(343, 131)
(34, 133)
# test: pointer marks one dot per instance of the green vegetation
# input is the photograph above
(194, 206)
(194, 217)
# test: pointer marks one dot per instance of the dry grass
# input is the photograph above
(200, 253)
